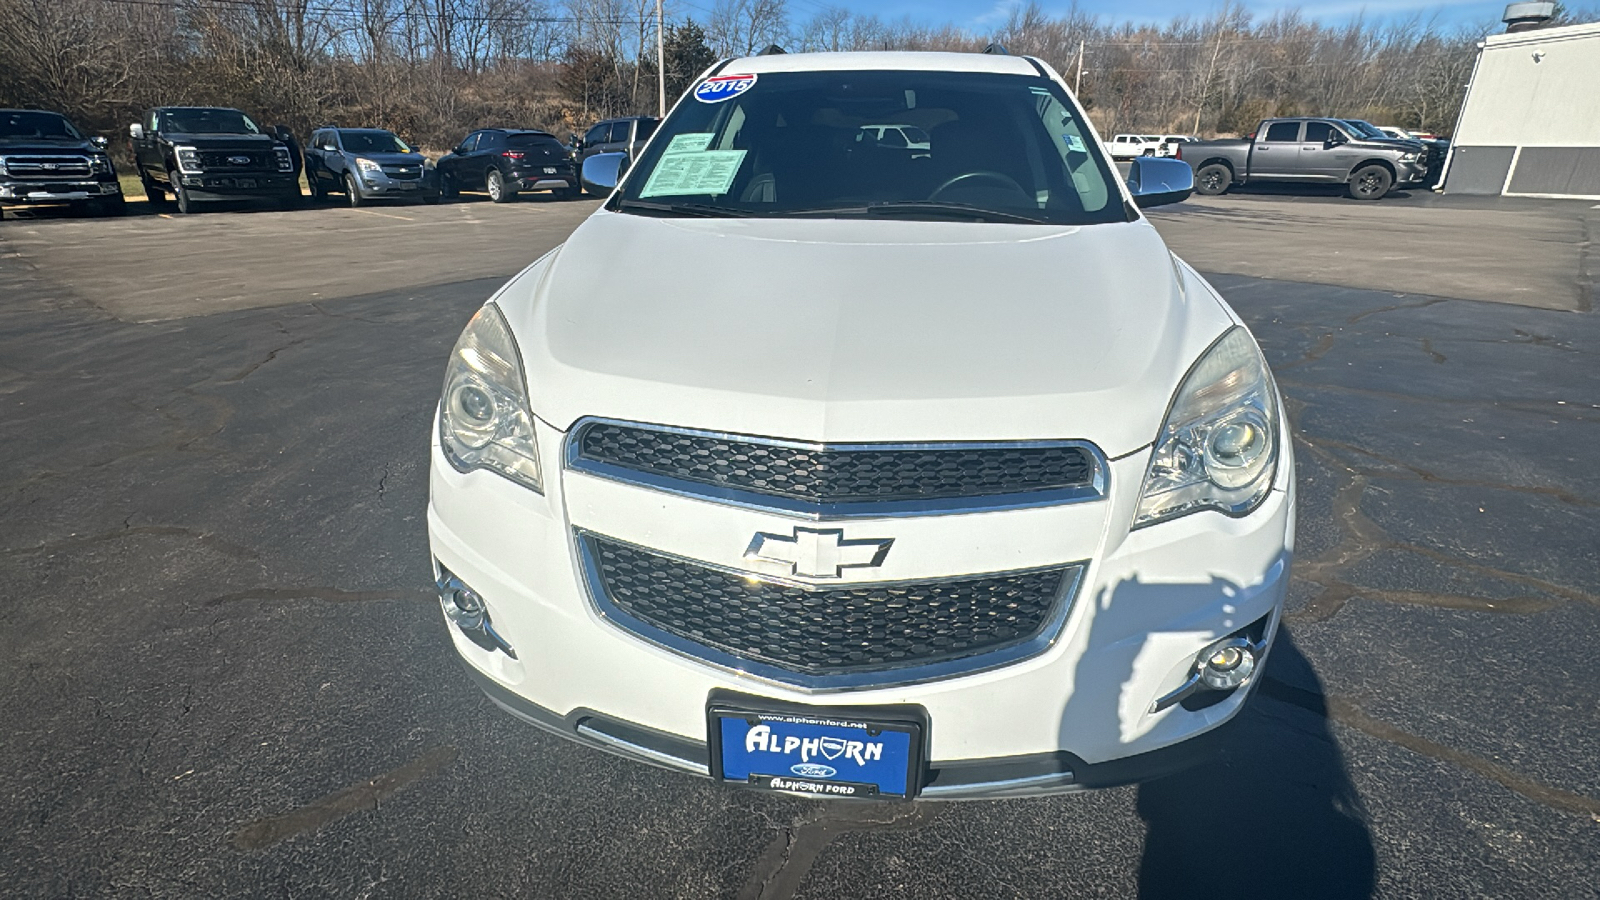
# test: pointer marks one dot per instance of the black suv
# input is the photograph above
(206, 153)
(43, 159)
(504, 162)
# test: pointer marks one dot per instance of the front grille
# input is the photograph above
(841, 473)
(224, 160)
(51, 167)
(403, 173)
(828, 632)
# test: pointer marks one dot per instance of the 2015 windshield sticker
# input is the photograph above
(723, 87)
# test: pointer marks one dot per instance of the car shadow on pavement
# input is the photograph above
(1275, 814)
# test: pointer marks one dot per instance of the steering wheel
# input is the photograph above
(999, 178)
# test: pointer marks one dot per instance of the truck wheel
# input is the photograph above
(352, 192)
(496, 184)
(1213, 179)
(185, 205)
(1370, 183)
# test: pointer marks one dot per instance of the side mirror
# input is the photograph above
(1157, 181)
(1334, 140)
(602, 171)
(99, 143)
(136, 131)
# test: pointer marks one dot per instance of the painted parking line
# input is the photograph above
(373, 212)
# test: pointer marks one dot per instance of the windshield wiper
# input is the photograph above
(922, 208)
(703, 210)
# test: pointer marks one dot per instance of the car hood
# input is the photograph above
(221, 141)
(35, 145)
(848, 330)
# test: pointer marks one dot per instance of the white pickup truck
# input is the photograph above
(1131, 146)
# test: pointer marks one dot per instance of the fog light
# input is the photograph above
(1227, 664)
(465, 608)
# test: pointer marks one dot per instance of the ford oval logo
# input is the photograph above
(813, 770)
(239, 160)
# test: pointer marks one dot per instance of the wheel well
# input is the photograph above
(1372, 162)
(1218, 161)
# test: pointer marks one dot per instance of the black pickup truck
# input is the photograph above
(44, 159)
(199, 154)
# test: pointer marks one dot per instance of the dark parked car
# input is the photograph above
(505, 162)
(367, 164)
(208, 153)
(44, 159)
(625, 135)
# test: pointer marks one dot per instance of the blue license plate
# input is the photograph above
(819, 753)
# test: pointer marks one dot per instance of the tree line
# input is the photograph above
(434, 69)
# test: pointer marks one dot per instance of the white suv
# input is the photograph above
(867, 471)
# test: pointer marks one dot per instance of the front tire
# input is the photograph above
(352, 191)
(153, 194)
(318, 192)
(181, 196)
(1370, 183)
(495, 183)
(1213, 180)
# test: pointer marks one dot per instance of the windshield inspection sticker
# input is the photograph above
(723, 87)
(691, 142)
(1075, 143)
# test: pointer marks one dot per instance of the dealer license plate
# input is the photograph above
(819, 753)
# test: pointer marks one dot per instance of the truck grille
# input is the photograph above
(828, 636)
(838, 474)
(225, 161)
(51, 167)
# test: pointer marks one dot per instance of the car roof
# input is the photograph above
(898, 59)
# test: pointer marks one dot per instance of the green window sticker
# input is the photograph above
(693, 142)
(694, 172)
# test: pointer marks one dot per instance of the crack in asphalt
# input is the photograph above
(1350, 714)
(782, 867)
(249, 370)
(365, 795)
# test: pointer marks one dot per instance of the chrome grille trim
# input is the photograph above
(1095, 488)
(1045, 636)
(33, 166)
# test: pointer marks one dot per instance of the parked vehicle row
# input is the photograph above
(186, 157)
(1131, 146)
(1311, 151)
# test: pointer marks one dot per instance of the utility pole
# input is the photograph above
(661, 62)
(1205, 89)
(1077, 77)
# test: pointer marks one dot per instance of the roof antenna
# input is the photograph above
(997, 50)
(773, 50)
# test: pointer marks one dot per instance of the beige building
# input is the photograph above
(1530, 126)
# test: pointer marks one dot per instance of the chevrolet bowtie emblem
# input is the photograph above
(818, 552)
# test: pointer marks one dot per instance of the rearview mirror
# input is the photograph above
(136, 131)
(1155, 181)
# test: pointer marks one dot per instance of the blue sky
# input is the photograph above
(982, 14)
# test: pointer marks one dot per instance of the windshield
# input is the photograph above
(372, 142)
(207, 121)
(30, 124)
(1365, 129)
(923, 144)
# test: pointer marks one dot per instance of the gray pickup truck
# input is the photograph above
(1310, 151)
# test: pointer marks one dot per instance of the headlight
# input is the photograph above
(1218, 448)
(367, 165)
(427, 163)
(188, 160)
(285, 161)
(1409, 157)
(485, 420)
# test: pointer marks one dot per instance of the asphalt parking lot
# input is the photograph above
(223, 671)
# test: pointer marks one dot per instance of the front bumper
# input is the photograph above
(1412, 172)
(240, 186)
(380, 184)
(546, 178)
(57, 191)
(1078, 714)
